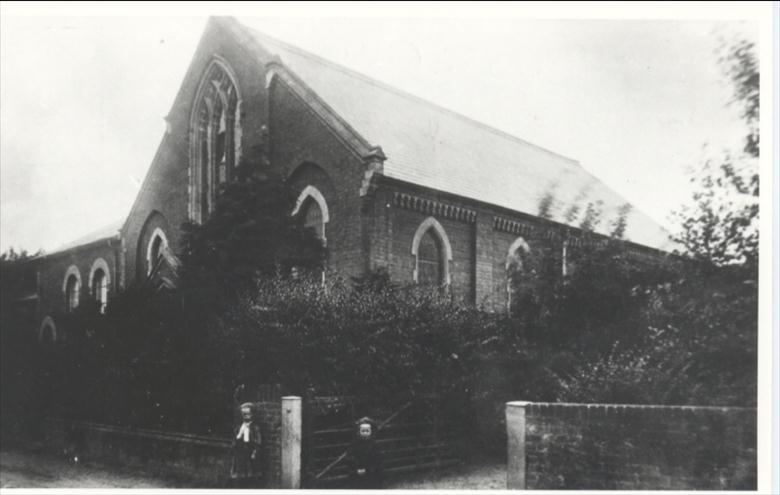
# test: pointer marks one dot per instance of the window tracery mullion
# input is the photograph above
(218, 134)
(209, 169)
(201, 162)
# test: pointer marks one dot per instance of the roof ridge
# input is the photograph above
(393, 89)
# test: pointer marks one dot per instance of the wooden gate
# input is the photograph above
(414, 434)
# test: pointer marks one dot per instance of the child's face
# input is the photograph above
(246, 414)
(364, 430)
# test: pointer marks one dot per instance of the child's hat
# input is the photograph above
(365, 420)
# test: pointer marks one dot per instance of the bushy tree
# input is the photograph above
(382, 341)
(601, 300)
(251, 233)
(21, 380)
(720, 226)
(371, 337)
(12, 255)
(697, 338)
(738, 61)
(151, 360)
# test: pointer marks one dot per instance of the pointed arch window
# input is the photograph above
(312, 205)
(154, 251)
(432, 254)
(520, 277)
(312, 218)
(215, 137)
(429, 261)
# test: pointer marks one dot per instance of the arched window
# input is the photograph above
(312, 218)
(100, 288)
(157, 243)
(429, 261)
(519, 276)
(155, 249)
(71, 293)
(432, 254)
(99, 281)
(215, 137)
(311, 204)
(47, 333)
(71, 288)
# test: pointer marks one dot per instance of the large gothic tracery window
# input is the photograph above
(215, 138)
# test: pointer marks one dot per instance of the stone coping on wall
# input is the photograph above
(595, 405)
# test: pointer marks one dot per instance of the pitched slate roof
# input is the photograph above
(110, 231)
(434, 147)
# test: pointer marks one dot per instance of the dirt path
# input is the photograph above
(33, 470)
(30, 469)
(480, 477)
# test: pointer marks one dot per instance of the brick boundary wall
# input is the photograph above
(204, 460)
(553, 446)
(271, 429)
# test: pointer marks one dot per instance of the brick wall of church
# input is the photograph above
(480, 236)
(398, 232)
(309, 153)
(480, 245)
(51, 277)
(370, 232)
(164, 195)
(165, 189)
(377, 231)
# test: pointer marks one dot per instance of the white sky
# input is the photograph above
(82, 100)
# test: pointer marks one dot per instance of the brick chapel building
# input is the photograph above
(387, 180)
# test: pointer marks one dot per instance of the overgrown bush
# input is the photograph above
(376, 339)
(142, 363)
(691, 335)
(690, 340)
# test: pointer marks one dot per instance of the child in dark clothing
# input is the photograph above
(364, 459)
(245, 468)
